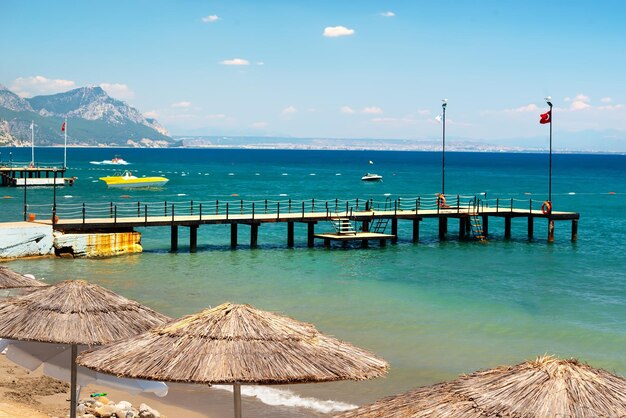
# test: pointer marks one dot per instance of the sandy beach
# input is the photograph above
(34, 395)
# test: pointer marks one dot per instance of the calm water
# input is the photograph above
(433, 310)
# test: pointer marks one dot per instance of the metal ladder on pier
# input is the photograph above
(343, 226)
(379, 225)
(474, 218)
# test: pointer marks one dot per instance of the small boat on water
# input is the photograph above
(372, 177)
(117, 160)
(127, 179)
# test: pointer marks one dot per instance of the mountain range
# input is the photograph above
(93, 119)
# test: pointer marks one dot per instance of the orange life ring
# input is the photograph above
(441, 201)
(546, 208)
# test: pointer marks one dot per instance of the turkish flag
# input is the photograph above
(546, 117)
(63, 127)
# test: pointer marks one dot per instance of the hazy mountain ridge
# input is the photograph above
(93, 118)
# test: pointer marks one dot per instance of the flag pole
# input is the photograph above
(32, 143)
(550, 164)
(65, 145)
(443, 149)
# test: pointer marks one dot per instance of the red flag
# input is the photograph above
(63, 127)
(546, 117)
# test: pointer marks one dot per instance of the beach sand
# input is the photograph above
(30, 394)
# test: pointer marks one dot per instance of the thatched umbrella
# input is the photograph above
(9, 279)
(74, 312)
(546, 387)
(235, 344)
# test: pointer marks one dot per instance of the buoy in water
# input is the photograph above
(125, 196)
(234, 194)
(7, 197)
(611, 192)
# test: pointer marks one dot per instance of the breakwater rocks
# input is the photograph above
(103, 407)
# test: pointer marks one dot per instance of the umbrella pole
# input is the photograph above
(237, 393)
(73, 383)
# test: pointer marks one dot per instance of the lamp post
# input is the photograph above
(548, 100)
(443, 148)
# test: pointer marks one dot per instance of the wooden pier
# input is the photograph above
(369, 219)
(27, 174)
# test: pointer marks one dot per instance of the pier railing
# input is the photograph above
(28, 164)
(230, 209)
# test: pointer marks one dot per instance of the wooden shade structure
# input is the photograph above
(9, 279)
(235, 344)
(74, 312)
(545, 387)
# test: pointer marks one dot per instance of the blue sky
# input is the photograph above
(275, 68)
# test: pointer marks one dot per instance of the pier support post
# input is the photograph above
(254, 235)
(574, 230)
(485, 225)
(174, 239)
(394, 230)
(443, 227)
(416, 230)
(507, 227)
(462, 222)
(233, 235)
(310, 241)
(365, 226)
(290, 234)
(531, 227)
(365, 243)
(550, 230)
(193, 238)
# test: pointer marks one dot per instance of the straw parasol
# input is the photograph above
(12, 280)
(235, 344)
(74, 312)
(545, 387)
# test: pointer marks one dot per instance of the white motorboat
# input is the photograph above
(372, 177)
(117, 160)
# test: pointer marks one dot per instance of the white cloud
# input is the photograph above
(33, 86)
(182, 104)
(388, 14)
(210, 19)
(235, 61)
(372, 110)
(260, 125)
(606, 100)
(579, 105)
(153, 114)
(528, 108)
(611, 107)
(215, 116)
(336, 31)
(582, 98)
(289, 110)
(423, 112)
(347, 110)
(117, 90)
(260, 63)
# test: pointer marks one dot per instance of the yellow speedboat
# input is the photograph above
(127, 179)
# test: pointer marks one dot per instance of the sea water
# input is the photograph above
(434, 310)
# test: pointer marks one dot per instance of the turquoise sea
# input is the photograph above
(434, 310)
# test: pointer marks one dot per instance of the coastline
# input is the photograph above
(25, 393)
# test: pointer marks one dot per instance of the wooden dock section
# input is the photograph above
(27, 174)
(370, 219)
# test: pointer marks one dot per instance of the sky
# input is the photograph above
(335, 69)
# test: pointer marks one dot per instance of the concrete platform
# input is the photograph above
(364, 237)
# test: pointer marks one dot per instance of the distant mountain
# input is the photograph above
(93, 119)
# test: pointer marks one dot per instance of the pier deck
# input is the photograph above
(25, 174)
(367, 216)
